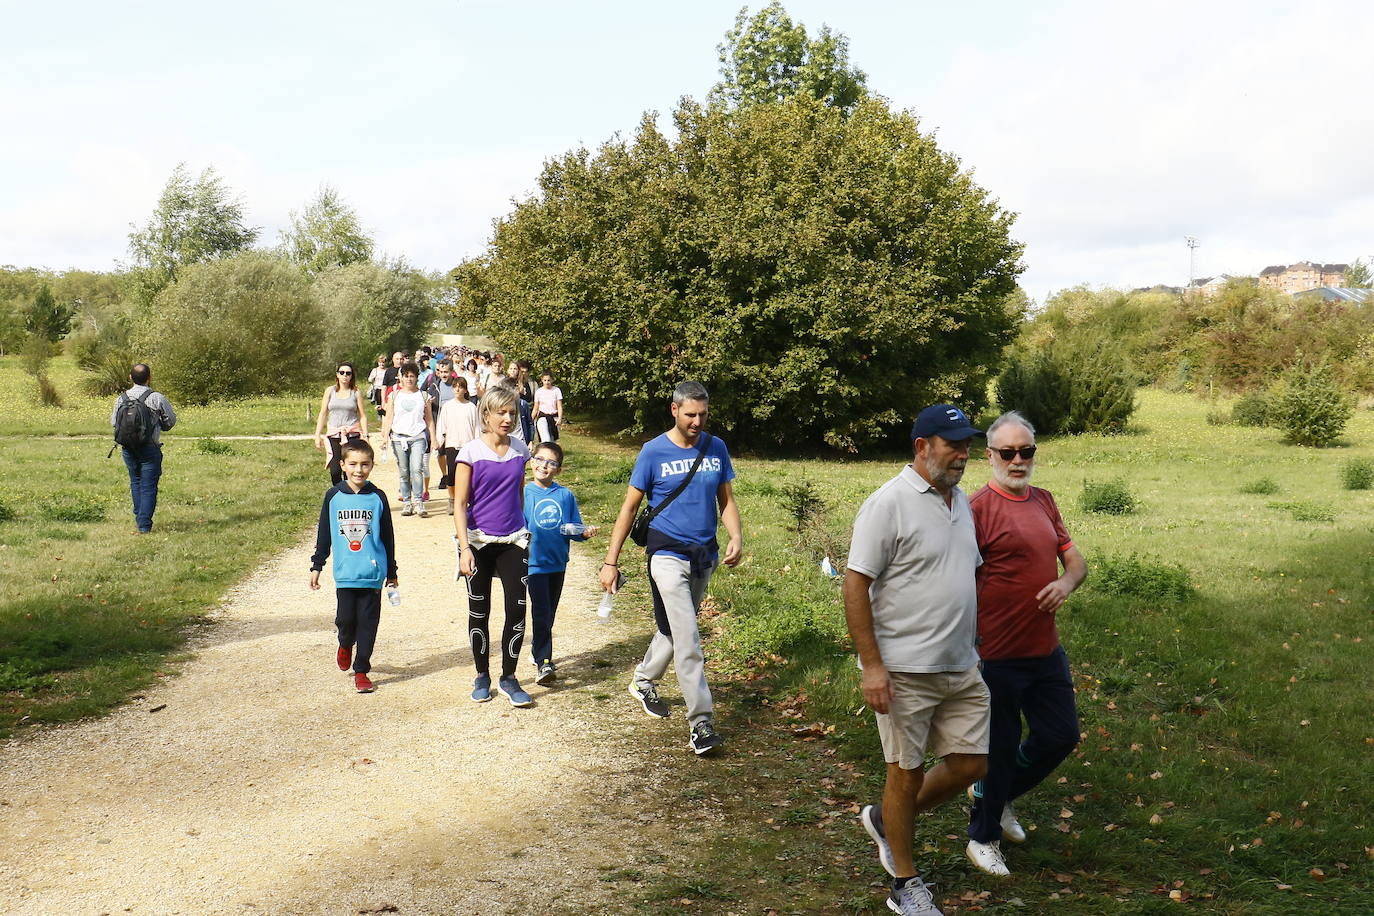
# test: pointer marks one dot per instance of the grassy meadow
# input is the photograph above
(91, 612)
(1221, 649)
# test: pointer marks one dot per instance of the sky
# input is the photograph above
(1113, 130)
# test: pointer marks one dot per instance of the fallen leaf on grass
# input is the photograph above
(1065, 812)
(1318, 874)
(1156, 819)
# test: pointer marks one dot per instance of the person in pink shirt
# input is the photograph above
(548, 409)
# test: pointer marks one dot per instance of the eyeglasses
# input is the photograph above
(1027, 452)
(344, 372)
(548, 462)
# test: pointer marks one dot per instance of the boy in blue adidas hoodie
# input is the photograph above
(355, 521)
(548, 507)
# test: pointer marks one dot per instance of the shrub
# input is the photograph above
(72, 507)
(1219, 418)
(1264, 486)
(1111, 497)
(210, 446)
(1307, 512)
(6, 513)
(1357, 474)
(1140, 578)
(369, 308)
(619, 472)
(1251, 410)
(1080, 386)
(803, 503)
(238, 326)
(1309, 406)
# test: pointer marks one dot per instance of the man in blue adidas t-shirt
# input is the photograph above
(682, 553)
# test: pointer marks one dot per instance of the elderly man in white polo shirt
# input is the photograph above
(911, 602)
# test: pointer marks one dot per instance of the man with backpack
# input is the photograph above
(140, 414)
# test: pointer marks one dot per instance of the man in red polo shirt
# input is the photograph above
(1023, 542)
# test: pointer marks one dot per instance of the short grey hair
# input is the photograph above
(1011, 416)
(690, 391)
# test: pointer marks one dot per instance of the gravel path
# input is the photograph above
(257, 781)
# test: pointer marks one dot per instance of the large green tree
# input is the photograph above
(825, 274)
(767, 58)
(326, 234)
(195, 221)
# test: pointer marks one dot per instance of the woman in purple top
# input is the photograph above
(489, 520)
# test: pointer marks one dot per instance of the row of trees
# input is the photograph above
(218, 316)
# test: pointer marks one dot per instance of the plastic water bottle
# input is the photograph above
(603, 610)
(393, 595)
(572, 529)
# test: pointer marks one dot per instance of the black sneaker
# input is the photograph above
(547, 673)
(647, 695)
(704, 738)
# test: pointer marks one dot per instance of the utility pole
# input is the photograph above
(1193, 258)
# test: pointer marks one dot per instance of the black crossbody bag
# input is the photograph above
(639, 531)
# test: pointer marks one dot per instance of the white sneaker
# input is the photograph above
(914, 899)
(1012, 831)
(987, 858)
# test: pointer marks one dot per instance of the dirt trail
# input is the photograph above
(263, 784)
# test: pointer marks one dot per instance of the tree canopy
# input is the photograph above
(326, 234)
(824, 274)
(195, 220)
(769, 58)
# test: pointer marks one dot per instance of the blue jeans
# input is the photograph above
(145, 469)
(410, 463)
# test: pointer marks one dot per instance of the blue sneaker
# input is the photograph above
(481, 688)
(509, 688)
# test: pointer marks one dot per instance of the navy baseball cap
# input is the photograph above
(945, 421)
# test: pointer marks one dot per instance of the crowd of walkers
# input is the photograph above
(949, 600)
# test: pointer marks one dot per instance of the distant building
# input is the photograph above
(1302, 276)
(1209, 287)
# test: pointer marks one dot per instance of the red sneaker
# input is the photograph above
(363, 684)
(344, 657)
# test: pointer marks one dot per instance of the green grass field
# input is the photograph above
(1229, 729)
(1221, 649)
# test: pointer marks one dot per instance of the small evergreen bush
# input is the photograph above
(6, 513)
(1080, 386)
(1357, 474)
(1219, 418)
(1309, 406)
(803, 504)
(1251, 410)
(1265, 486)
(1111, 497)
(1140, 578)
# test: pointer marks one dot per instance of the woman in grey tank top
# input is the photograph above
(341, 418)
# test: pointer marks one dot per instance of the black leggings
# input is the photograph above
(510, 563)
(336, 457)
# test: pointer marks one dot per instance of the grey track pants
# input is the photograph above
(681, 593)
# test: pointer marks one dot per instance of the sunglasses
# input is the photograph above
(344, 372)
(548, 462)
(1027, 452)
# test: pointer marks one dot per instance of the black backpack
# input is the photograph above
(135, 422)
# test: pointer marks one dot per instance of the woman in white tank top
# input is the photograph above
(409, 425)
